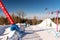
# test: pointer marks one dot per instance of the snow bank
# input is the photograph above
(46, 24)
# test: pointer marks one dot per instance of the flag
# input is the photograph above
(51, 12)
(58, 11)
(45, 8)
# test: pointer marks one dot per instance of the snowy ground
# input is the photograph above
(33, 32)
(37, 34)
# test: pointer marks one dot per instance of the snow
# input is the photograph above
(47, 32)
(42, 31)
(46, 25)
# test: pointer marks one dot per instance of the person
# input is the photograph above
(15, 27)
(50, 25)
(19, 30)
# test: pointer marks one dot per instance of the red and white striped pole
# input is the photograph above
(6, 12)
(57, 21)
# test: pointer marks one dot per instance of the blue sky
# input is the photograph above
(32, 7)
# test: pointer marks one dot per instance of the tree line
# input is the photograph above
(19, 18)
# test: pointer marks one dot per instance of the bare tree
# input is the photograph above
(34, 20)
(21, 14)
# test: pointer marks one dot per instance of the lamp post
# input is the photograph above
(46, 15)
